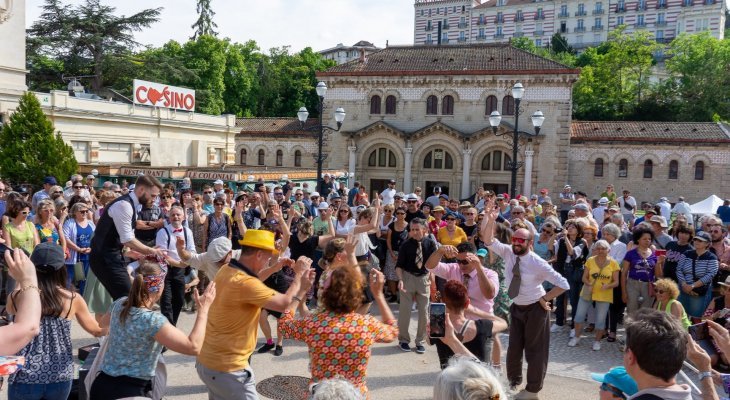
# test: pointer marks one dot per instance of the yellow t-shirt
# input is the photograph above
(445, 239)
(600, 276)
(233, 320)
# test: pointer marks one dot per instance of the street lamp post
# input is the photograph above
(537, 119)
(303, 114)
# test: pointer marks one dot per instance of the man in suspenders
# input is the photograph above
(115, 230)
(173, 295)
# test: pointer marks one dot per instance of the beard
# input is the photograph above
(519, 251)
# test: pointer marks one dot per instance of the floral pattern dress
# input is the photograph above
(339, 344)
(502, 301)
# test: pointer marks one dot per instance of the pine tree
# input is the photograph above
(29, 148)
(204, 25)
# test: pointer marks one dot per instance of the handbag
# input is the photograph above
(702, 290)
(79, 272)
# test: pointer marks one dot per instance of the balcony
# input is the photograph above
(579, 29)
(539, 17)
(563, 14)
(482, 37)
(598, 12)
(499, 20)
(499, 35)
(463, 25)
(538, 33)
(428, 41)
(519, 18)
(482, 21)
(661, 4)
(708, 2)
(641, 7)
(597, 28)
(580, 13)
(661, 23)
(461, 40)
(620, 9)
(428, 28)
(686, 3)
(518, 34)
(640, 25)
(445, 40)
(445, 26)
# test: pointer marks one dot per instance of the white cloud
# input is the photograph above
(319, 24)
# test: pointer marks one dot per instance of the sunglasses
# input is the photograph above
(517, 213)
(278, 194)
(298, 194)
(400, 213)
(343, 211)
(219, 204)
(661, 291)
(83, 211)
(58, 192)
(78, 187)
(519, 240)
(208, 192)
(463, 262)
(547, 231)
(451, 219)
(166, 197)
(25, 212)
(614, 390)
(116, 191)
(412, 201)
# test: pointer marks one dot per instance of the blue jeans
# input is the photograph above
(37, 391)
(695, 306)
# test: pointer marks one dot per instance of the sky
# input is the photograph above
(319, 24)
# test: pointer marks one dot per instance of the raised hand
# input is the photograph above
(351, 244)
(377, 282)
(203, 302)
(302, 265)
(20, 267)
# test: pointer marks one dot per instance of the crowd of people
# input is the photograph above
(125, 261)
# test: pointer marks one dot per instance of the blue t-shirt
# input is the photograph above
(133, 350)
(724, 212)
(83, 239)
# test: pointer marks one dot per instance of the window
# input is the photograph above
(508, 105)
(81, 151)
(487, 162)
(432, 105)
(564, 10)
(623, 168)
(390, 104)
(581, 9)
(279, 158)
(298, 158)
(648, 169)
(382, 157)
(673, 169)
(491, 104)
(619, 20)
(640, 20)
(115, 152)
(496, 161)
(438, 159)
(262, 157)
(598, 167)
(538, 42)
(375, 105)
(447, 108)
(699, 170)
(243, 154)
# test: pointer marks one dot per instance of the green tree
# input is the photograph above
(559, 44)
(205, 24)
(83, 37)
(29, 149)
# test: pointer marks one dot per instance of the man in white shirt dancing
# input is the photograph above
(529, 331)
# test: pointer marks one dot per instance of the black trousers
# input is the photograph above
(615, 310)
(109, 268)
(173, 296)
(529, 332)
(107, 387)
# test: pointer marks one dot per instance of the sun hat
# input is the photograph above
(438, 209)
(603, 200)
(659, 220)
(259, 239)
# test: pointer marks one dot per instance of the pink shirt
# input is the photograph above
(452, 271)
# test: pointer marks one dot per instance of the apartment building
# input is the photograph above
(342, 54)
(583, 23)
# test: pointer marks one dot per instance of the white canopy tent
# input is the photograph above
(707, 206)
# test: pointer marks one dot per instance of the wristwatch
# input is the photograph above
(702, 375)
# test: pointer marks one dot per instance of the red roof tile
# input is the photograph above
(649, 131)
(468, 59)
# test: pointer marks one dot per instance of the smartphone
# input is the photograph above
(3, 249)
(437, 320)
(701, 334)
(660, 252)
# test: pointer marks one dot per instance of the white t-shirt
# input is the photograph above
(346, 228)
(388, 196)
(629, 200)
(599, 213)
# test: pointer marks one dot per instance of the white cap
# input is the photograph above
(323, 206)
(603, 200)
(314, 194)
(218, 182)
(218, 249)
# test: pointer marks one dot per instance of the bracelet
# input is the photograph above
(704, 375)
(23, 289)
(296, 298)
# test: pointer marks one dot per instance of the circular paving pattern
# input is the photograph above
(284, 387)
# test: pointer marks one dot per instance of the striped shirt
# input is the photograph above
(705, 267)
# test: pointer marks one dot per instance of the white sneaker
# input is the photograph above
(596, 345)
(573, 342)
(572, 333)
(555, 328)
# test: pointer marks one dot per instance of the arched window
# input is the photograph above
(598, 167)
(375, 105)
(674, 169)
(699, 170)
(279, 158)
(491, 105)
(298, 158)
(438, 159)
(508, 105)
(244, 153)
(262, 157)
(390, 104)
(382, 157)
(447, 108)
(496, 160)
(487, 162)
(432, 105)
(648, 169)
(623, 168)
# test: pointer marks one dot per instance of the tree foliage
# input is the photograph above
(29, 148)
(205, 25)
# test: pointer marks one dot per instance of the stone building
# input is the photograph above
(342, 54)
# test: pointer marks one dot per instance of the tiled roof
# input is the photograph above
(655, 132)
(279, 126)
(468, 59)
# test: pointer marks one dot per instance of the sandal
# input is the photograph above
(611, 337)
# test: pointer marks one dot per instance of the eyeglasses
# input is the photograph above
(343, 211)
(517, 213)
(547, 231)
(519, 240)
(451, 219)
(400, 213)
(278, 194)
(165, 197)
(207, 192)
(78, 187)
(298, 194)
(614, 390)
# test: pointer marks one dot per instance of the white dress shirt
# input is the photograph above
(167, 237)
(533, 271)
(617, 251)
(121, 213)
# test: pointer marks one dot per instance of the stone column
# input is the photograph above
(407, 179)
(353, 158)
(465, 172)
(527, 185)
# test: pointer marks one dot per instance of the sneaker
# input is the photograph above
(404, 346)
(572, 333)
(525, 395)
(265, 348)
(279, 351)
(573, 342)
(420, 349)
(555, 328)
(596, 345)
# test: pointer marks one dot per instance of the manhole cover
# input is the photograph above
(284, 387)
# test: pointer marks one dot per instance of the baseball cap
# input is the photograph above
(323, 206)
(444, 196)
(218, 182)
(566, 187)
(335, 195)
(581, 206)
(659, 220)
(90, 177)
(48, 255)
(603, 200)
(482, 253)
(533, 197)
(544, 191)
(218, 249)
(618, 378)
(314, 194)
(50, 180)
(399, 195)
(326, 175)
(391, 181)
(703, 236)
(437, 189)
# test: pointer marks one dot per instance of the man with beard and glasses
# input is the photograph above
(115, 230)
(529, 332)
